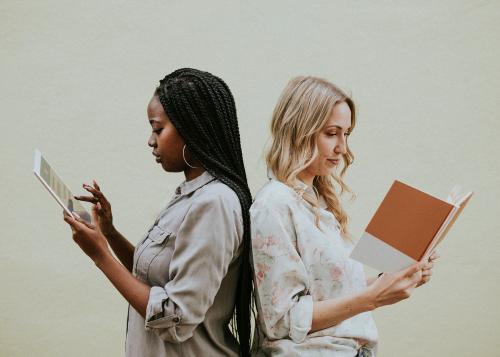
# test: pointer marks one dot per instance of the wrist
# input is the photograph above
(368, 300)
(110, 233)
(103, 259)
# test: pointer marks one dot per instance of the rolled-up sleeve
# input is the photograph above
(281, 280)
(206, 243)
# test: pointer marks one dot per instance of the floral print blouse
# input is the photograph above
(295, 264)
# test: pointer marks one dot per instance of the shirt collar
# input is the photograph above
(190, 186)
(300, 187)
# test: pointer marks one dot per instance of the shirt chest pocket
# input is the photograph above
(154, 256)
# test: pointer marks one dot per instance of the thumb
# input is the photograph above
(99, 209)
(79, 219)
(413, 269)
(73, 221)
(70, 220)
(94, 214)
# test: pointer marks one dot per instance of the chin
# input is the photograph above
(171, 168)
(327, 171)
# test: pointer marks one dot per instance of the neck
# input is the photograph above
(192, 173)
(306, 177)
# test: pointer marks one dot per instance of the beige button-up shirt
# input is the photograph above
(190, 258)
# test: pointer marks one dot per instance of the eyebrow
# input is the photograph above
(337, 126)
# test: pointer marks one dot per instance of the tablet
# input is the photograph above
(57, 188)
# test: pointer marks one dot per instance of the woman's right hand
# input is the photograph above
(391, 288)
(101, 207)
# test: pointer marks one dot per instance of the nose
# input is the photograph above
(151, 140)
(341, 147)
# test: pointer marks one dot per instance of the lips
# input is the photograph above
(158, 158)
(334, 161)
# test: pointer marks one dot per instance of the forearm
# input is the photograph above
(131, 288)
(331, 312)
(123, 249)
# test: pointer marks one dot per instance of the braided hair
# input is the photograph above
(202, 109)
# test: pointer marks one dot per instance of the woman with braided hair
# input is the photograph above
(190, 277)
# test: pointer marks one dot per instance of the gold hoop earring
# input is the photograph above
(184, 157)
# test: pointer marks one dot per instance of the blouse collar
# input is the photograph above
(300, 187)
(190, 186)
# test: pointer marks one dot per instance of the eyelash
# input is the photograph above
(157, 131)
(346, 134)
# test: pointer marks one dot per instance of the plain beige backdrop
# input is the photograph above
(76, 77)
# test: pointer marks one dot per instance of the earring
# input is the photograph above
(184, 157)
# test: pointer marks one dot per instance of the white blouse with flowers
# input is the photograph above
(297, 263)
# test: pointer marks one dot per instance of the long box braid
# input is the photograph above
(202, 109)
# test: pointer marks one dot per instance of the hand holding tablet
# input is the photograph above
(56, 187)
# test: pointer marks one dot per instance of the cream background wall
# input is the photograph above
(75, 81)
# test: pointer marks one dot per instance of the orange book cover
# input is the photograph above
(409, 219)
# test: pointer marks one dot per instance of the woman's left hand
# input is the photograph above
(90, 239)
(427, 270)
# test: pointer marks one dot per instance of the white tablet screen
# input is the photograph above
(57, 188)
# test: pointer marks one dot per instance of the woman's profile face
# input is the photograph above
(332, 141)
(166, 142)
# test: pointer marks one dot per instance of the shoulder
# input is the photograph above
(275, 196)
(272, 215)
(275, 193)
(218, 195)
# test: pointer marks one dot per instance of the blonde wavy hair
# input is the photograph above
(303, 109)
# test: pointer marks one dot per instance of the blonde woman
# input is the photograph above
(312, 299)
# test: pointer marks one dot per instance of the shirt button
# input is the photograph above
(178, 191)
(176, 319)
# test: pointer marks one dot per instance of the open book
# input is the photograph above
(407, 226)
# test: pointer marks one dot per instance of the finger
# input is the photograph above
(428, 266)
(96, 185)
(65, 214)
(420, 283)
(78, 226)
(86, 224)
(98, 194)
(411, 270)
(71, 221)
(93, 191)
(423, 281)
(68, 217)
(90, 199)
(427, 273)
(100, 210)
(413, 274)
(416, 277)
(435, 255)
(95, 212)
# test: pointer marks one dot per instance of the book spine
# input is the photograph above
(440, 233)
